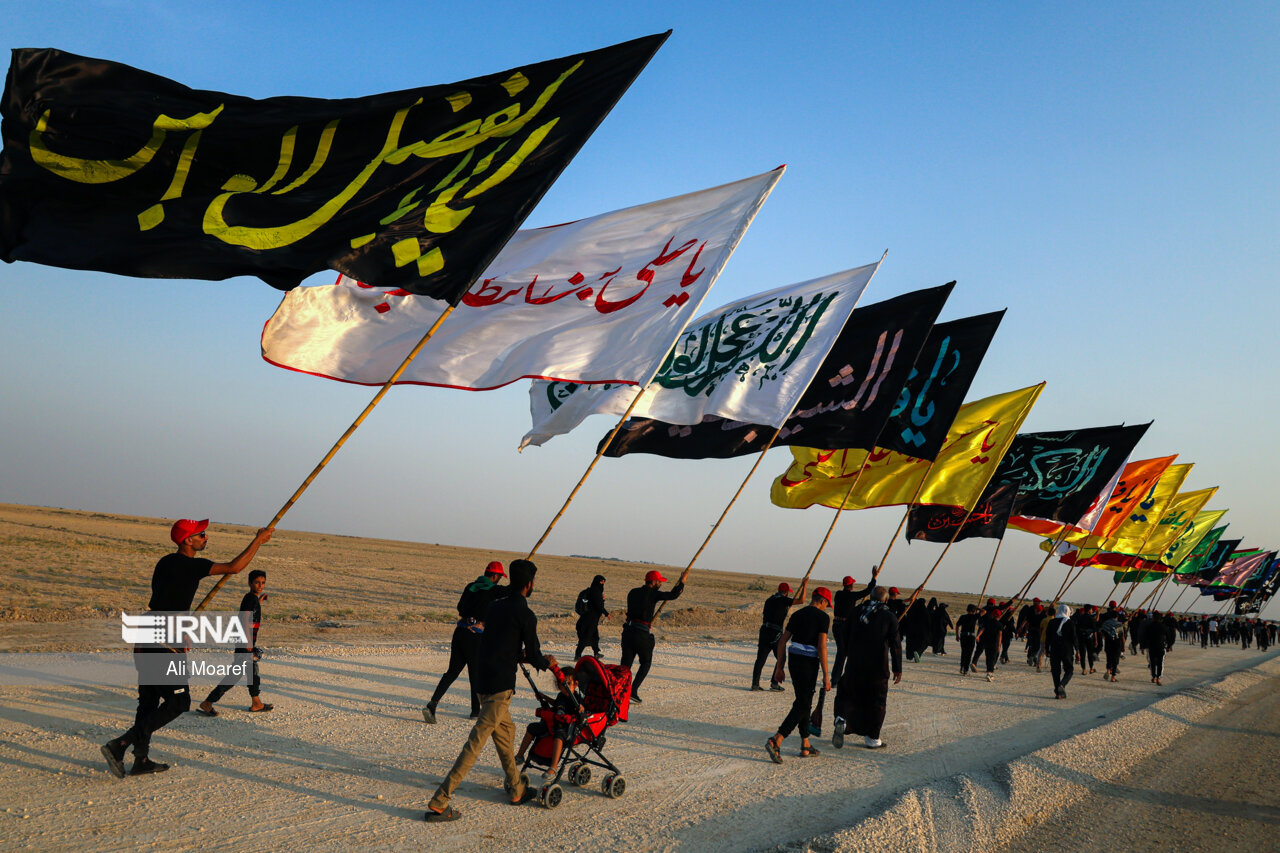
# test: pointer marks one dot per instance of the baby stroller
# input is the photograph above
(606, 693)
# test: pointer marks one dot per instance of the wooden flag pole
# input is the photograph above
(903, 523)
(799, 596)
(585, 474)
(1026, 588)
(315, 472)
(760, 458)
(990, 569)
(1153, 592)
(1113, 591)
(1132, 588)
(1072, 582)
(1174, 606)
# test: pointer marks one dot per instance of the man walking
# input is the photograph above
(473, 607)
(590, 608)
(161, 700)
(875, 651)
(776, 607)
(637, 631)
(807, 635)
(845, 600)
(510, 637)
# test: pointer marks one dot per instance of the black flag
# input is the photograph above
(1060, 474)
(106, 167)
(938, 523)
(845, 405)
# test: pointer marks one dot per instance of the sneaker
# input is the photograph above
(113, 751)
(837, 734)
(873, 743)
(773, 685)
(635, 697)
(429, 713)
(1062, 691)
(143, 765)
(757, 687)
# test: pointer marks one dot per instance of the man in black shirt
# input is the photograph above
(845, 600)
(473, 606)
(776, 607)
(806, 633)
(173, 587)
(967, 634)
(590, 608)
(875, 647)
(637, 631)
(510, 637)
(251, 603)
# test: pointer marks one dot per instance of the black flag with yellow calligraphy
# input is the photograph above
(106, 167)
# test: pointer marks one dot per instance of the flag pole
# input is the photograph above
(1063, 591)
(1174, 606)
(333, 451)
(587, 473)
(1153, 592)
(1026, 588)
(839, 510)
(990, 569)
(903, 523)
(759, 458)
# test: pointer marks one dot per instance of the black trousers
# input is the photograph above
(766, 645)
(462, 651)
(1114, 648)
(862, 700)
(804, 679)
(1007, 638)
(1061, 665)
(837, 631)
(1155, 660)
(588, 635)
(991, 648)
(637, 644)
(255, 683)
(1088, 652)
(158, 705)
(966, 652)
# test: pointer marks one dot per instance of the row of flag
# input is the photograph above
(414, 197)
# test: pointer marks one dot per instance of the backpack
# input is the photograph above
(1111, 628)
(580, 606)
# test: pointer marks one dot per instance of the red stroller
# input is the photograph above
(607, 693)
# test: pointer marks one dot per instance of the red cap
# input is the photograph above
(893, 590)
(184, 527)
(1111, 604)
(823, 592)
(654, 575)
(784, 587)
(848, 581)
(1036, 600)
(991, 602)
(495, 568)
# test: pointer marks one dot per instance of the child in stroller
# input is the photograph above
(568, 738)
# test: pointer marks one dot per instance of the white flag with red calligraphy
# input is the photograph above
(749, 361)
(596, 300)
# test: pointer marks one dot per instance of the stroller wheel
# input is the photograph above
(552, 795)
(614, 786)
(583, 775)
(571, 775)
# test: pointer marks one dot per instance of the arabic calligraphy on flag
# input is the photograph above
(749, 361)
(106, 167)
(593, 300)
(845, 405)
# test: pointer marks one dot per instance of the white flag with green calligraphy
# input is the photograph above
(749, 361)
(596, 300)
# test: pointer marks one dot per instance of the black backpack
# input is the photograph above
(580, 606)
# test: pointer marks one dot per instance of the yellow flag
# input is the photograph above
(1131, 536)
(1192, 536)
(1174, 521)
(978, 438)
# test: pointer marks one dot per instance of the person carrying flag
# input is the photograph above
(637, 631)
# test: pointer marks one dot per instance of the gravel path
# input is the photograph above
(345, 760)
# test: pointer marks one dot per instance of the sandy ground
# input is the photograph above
(1214, 786)
(346, 761)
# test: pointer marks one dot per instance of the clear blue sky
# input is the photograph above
(1107, 172)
